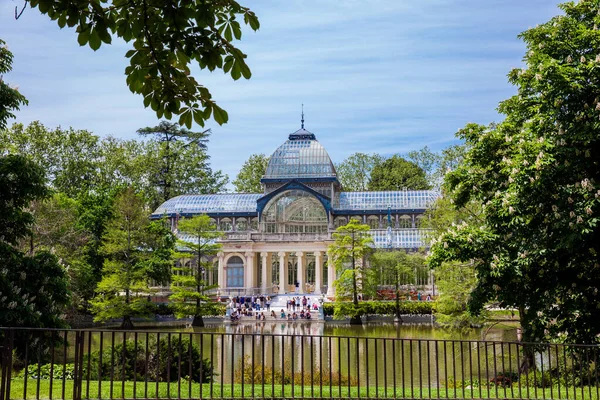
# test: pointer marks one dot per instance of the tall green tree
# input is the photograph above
(189, 283)
(354, 173)
(429, 162)
(166, 133)
(352, 243)
(191, 172)
(397, 267)
(396, 173)
(166, 40)
(124, 289)
(536, 175)
(248, 179)
(34, 288)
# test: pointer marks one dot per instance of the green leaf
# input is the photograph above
(94, 40)
(235, 71)
(84, 37)
(220, 115)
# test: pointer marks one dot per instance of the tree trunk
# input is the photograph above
(356, 320)
(528, 360)
(398, 299)
(198, 321)
(127, 324)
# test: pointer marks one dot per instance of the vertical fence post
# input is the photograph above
(6, 357)
(78, 365)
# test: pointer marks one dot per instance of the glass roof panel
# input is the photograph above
(401, 199)
(299, 157)
(401, 238)
(209, 203)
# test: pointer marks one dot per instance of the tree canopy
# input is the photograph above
(166, 40)
(248, 179)
(396, 173)
(189, 283)
(354, 173)
(351, 243)
(536, 175)
(138, 251)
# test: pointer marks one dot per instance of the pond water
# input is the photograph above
(415, 354)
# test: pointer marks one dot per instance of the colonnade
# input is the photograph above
(274, 259)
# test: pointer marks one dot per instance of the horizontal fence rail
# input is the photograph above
(119, 364)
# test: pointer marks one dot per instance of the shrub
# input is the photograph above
(49, 371)
(162, 363)
(246, 371)
(347, 309)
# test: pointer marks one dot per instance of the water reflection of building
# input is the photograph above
(278, 238)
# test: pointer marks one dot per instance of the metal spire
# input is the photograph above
(302, 120)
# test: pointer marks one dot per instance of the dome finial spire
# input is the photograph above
(302, 120)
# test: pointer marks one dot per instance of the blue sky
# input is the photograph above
(384, 76)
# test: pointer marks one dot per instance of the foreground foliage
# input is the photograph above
(166, 39)
(537, 176)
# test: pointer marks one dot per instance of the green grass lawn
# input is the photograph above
(102, 390)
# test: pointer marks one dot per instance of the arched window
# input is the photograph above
(340, 221)
(373, 222)
(225, 225)
(405, 222)
(235, 272)
(294, 211)
(241, 224)
(254, 224)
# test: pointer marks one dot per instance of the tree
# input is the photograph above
(537, 179)
(429, 162)
(167, 38)
(10, 98)
(70, 158)
(189, 283)
(396, 267)
(352, 242)
(396, 173)
(165, 134)
(354, 173)
(190, 172)
(248, 179)
(34, 288)
(124, 289)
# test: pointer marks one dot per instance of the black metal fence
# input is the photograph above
(102, 364)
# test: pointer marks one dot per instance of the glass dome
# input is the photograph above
(301, 156)
(294, 211)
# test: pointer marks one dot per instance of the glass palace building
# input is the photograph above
(277, 240)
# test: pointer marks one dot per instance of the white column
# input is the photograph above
(249, 270)
(318, 271)
(330, 277)
(265, 271)
(301, 274)
(282, 276)
(221, 270)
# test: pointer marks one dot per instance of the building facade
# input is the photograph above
(276, 241)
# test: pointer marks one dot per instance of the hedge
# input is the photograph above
(347, 309)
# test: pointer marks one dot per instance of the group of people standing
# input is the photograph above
(301, 303)
(249, 306)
